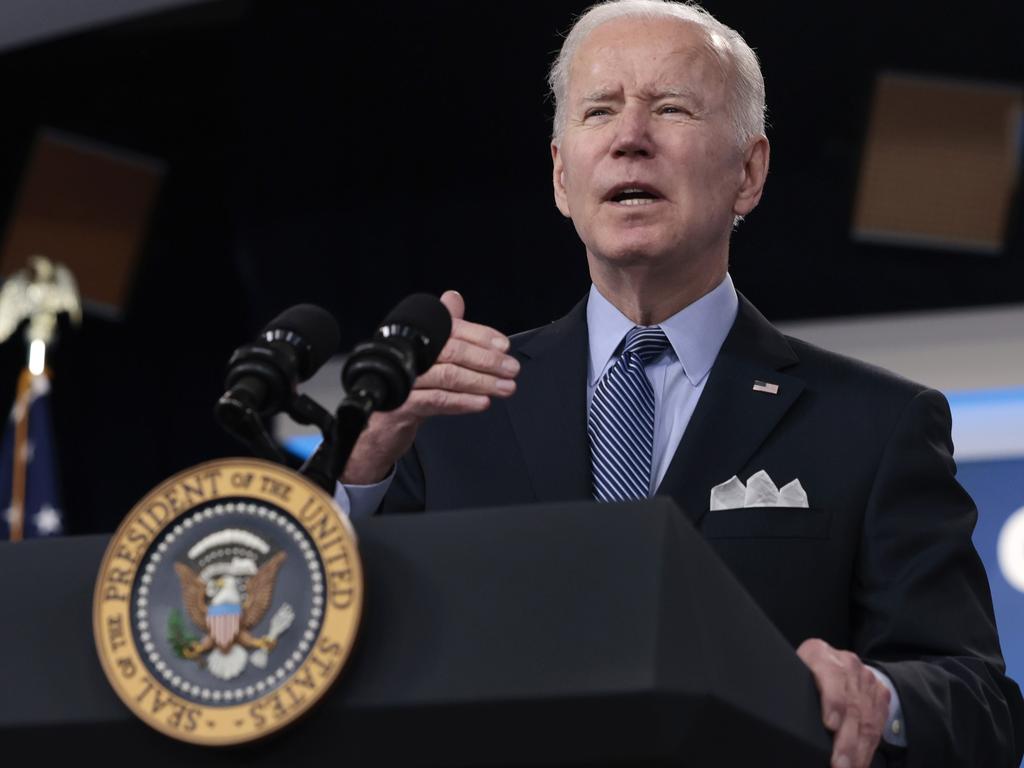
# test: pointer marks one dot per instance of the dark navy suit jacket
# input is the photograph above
(881, 563)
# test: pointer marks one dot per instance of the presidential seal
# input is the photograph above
(228, 601)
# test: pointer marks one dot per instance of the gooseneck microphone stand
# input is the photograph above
(326, 464)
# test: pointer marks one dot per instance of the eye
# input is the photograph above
(672, 109)
(596, 112)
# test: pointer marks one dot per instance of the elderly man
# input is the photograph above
(664, 380)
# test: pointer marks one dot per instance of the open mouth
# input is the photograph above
(634, 196)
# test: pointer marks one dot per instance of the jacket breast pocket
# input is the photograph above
(767, 523)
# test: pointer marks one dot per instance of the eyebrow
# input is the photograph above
(600, 95)
(664, 93)
(674, 93)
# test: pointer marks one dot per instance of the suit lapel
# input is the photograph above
(732, 419)
(549, 409)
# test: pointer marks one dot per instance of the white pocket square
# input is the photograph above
(759, 491)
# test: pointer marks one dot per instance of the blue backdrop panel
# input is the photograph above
(998, 490)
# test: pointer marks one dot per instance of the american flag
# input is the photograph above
(29, 485)
(766, 386)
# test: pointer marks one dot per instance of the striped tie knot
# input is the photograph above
(645, 341)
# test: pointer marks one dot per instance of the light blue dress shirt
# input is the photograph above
(695, 334)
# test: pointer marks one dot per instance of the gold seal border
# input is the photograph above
(255, 481)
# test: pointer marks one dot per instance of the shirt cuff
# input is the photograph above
(359, 501)
(895, 732)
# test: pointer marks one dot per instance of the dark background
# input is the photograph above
(347, 156)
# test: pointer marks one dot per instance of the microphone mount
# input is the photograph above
(262, 378)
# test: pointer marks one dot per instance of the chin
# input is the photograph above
(633, 251)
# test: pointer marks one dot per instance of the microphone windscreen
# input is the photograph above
(317, 335)
(430, 318)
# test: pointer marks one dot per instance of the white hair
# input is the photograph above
(745, 101)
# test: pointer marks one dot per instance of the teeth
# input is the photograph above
(637, 201)
(630, 194)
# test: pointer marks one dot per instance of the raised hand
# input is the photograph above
(472, 368)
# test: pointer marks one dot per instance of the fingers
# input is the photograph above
(424, 403)
(473, 361)
(478, 358)
(874, 718)
(824, 664)
(471, 369)
(854, 704)
(465, 380)
(455, 304)
(846, 747)
(479, 335)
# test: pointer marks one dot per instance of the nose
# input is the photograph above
(633, 133)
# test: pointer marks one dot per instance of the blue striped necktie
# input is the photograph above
(621, 420)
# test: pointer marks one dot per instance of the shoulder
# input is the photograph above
(753, 337)
(830, 368)
(867, 396)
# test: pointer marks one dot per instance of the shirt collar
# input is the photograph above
(695, 333)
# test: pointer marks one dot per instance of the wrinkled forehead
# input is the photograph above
(646, 52)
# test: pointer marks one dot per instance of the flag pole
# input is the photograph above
(22, 401)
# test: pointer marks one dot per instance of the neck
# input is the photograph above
(648, 295)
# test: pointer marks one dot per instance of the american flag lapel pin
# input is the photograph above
(766, 386)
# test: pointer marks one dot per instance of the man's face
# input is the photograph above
(648, 166)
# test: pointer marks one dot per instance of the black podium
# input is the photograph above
(576, 634)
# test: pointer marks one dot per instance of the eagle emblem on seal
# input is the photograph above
(227, 587)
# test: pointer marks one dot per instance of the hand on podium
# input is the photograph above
(854, 703)
(471, 369)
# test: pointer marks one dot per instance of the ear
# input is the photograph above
(755, 171)
(558, 180)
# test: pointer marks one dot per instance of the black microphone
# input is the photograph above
(262, 376)
(405, 345)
